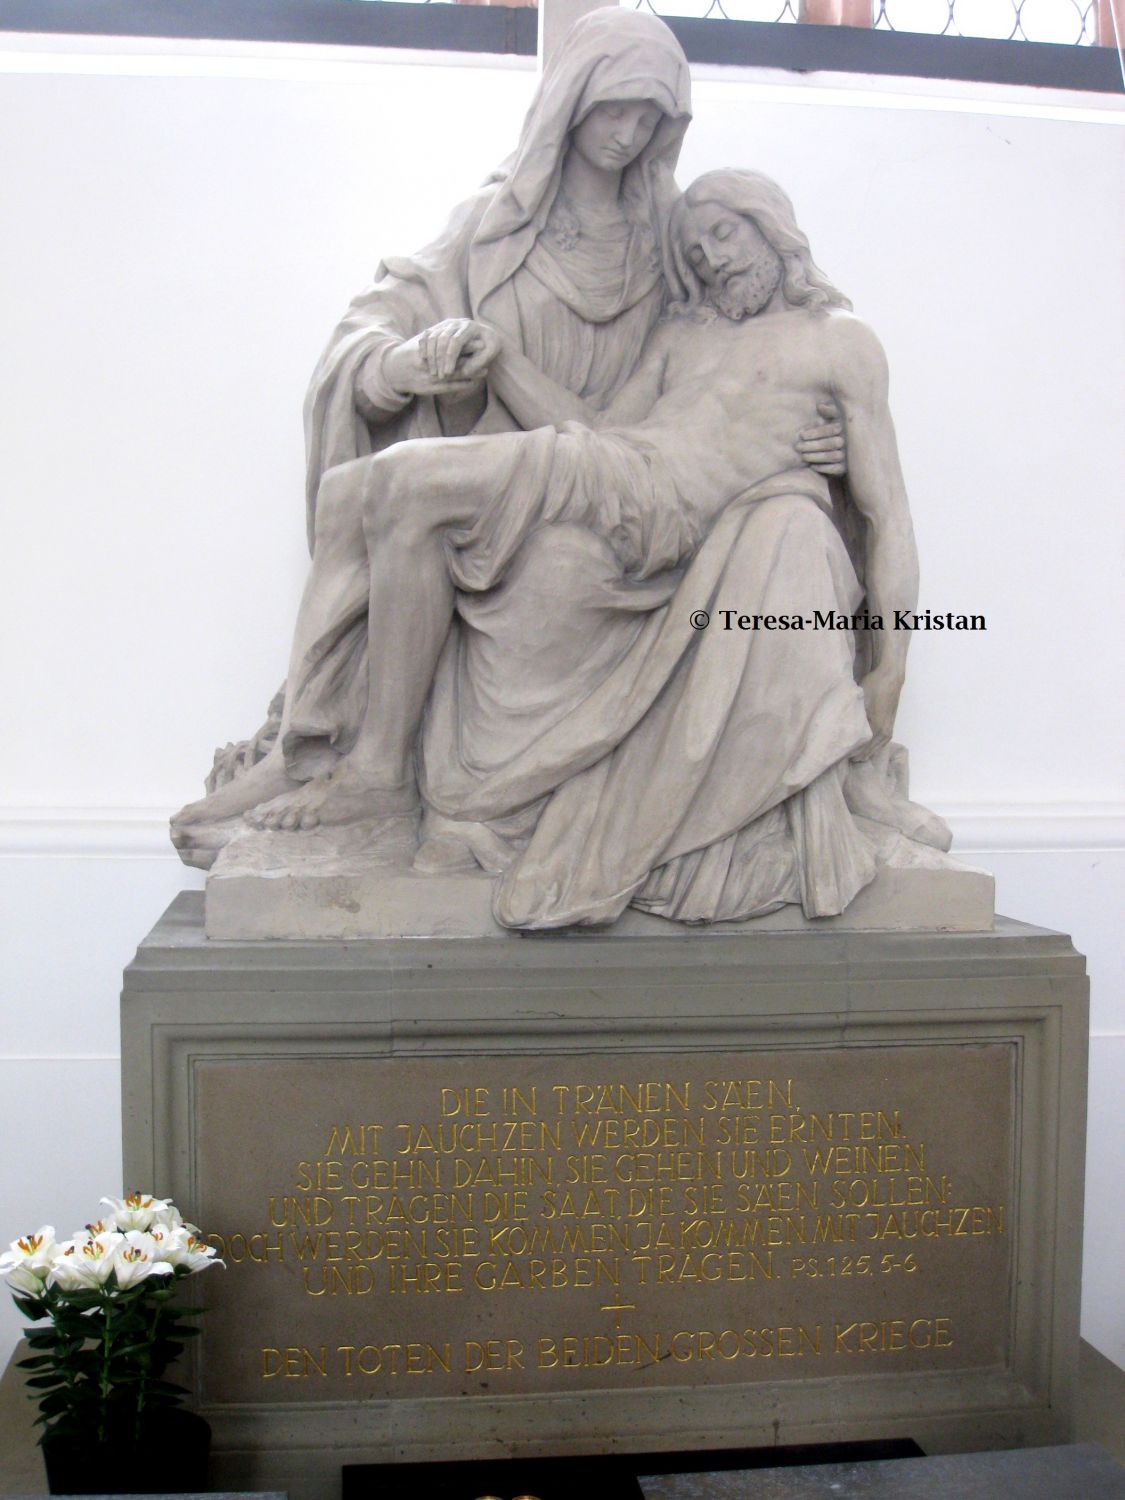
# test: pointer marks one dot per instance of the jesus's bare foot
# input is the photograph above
(347, 794)
(259, 783)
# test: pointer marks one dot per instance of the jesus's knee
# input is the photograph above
(395, 505)
(412, 490)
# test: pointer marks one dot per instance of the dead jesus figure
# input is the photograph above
(741, 750)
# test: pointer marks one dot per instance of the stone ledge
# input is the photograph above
(258, 889)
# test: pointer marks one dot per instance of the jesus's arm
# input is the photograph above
(859, 379)
(535, 400)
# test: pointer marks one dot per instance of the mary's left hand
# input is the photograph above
(823, 446)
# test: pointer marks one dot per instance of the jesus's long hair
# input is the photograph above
(755, 196)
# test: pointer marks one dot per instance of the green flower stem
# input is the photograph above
(64, 1348)
(157, 1315)
(106, 1382)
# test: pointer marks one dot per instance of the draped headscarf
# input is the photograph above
(609, 54)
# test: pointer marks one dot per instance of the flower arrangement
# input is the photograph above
(110, 1293)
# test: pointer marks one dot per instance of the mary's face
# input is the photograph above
(615, 132)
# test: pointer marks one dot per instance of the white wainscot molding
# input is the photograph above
(118, 832)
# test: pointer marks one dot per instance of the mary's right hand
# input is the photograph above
(447, 359)
(823, 446)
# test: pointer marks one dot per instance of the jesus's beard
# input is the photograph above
(748, 289)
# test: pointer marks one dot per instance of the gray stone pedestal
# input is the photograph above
(582, 1194)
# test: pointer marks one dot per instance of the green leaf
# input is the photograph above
(127, 1338)
(42, 1338)
(56, 1401)
(168, 1388)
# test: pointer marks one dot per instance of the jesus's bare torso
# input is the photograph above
(731, 397)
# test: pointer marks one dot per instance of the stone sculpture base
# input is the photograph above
(270, 886)
(540, 1196)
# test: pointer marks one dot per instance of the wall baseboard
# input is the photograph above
(85, 832)
(142, 832)
(1049, 827)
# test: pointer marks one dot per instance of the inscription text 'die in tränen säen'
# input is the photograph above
(432, 1226)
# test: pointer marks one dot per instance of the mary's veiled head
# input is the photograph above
(617, 54)
(610, 55)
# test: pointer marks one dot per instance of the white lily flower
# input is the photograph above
(166, 1240)
(185, 1250)
(136, 1210)
(22, 1282)
(85, 1262)
(28, 1260)
(168, 1217)
(134, 1259)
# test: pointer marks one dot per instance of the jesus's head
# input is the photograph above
(736, 244)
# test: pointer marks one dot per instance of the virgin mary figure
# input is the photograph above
(575, 275)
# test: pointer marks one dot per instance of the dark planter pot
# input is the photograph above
(170, 1458)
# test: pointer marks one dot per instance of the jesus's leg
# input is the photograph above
(338, 563)
(414, 495)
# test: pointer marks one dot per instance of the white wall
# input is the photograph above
(190, 221)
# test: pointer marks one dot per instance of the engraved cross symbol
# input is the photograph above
(617, 1308)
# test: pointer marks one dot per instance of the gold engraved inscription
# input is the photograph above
(595, 1221)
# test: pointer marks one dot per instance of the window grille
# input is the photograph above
(1065, 22)
(1062, 22)
(727, 10)
(1049, 43)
